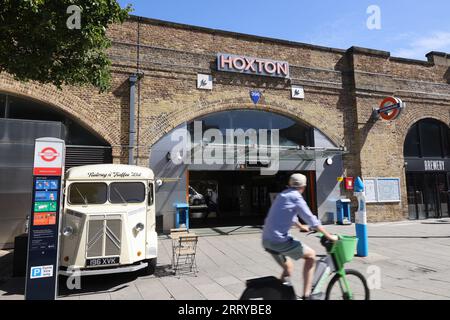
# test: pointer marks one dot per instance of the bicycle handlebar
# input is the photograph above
(328, 244)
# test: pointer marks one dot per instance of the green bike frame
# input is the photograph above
(328, 267)
(345, 286)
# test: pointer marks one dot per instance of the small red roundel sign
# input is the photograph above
(390, 108)
(48, 154)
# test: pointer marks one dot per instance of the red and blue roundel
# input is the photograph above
(390, 108)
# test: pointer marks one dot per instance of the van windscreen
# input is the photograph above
(126, 192)
(88, 193)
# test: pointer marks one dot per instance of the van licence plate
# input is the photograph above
(98, 262)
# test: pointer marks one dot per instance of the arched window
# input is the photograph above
(428, 138)
(292, 133)
(27, 109)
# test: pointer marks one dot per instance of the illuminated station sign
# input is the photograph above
(253, 66)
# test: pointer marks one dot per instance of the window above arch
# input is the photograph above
(428, 138)
(291, 132)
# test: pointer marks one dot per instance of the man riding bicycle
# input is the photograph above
(283, 214)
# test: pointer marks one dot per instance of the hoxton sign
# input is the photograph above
(249, 65)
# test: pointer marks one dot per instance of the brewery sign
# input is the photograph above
(427, 165)
(254, 66)
(434, 165)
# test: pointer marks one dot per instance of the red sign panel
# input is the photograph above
(349, 183)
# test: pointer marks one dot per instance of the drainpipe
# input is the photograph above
(6, 106)
(132, 132)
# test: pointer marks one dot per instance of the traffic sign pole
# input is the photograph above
(43, 233)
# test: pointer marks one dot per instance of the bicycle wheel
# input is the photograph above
(358, 285)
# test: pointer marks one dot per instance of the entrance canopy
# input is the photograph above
(255, 152)
(254, 136)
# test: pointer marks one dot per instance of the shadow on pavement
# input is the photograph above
(12, 287)
(227, 230)
(97, 284)
(164, 271)
(9, 285)
(108, 283)
(409, 237)
(6, 266)
(438, 222)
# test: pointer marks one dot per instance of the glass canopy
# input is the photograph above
(256, 135)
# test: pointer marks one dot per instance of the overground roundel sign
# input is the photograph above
(48, 154)
(48, 157)
(390, 108)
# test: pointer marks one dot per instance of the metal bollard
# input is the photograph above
(361, 220)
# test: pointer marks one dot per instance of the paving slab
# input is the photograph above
(153, 289)
(214, 291)
(412, 257)
(181, 289)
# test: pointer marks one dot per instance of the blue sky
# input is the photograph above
(409, 28)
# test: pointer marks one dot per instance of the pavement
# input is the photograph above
(408, 261)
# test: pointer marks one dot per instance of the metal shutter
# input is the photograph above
(86, 155)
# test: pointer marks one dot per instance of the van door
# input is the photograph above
(151, 219)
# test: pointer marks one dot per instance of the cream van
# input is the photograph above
(108, 223)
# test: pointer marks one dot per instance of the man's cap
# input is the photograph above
(297, 180)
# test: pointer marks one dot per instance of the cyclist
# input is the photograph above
(283, 214)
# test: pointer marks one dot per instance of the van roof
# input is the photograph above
(109, 172)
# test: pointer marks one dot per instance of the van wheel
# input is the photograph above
(150, 268)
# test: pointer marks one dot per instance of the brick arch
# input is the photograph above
(62, 100)
(171, 120)
(416, 115)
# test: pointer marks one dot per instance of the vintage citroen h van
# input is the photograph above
(108, 222)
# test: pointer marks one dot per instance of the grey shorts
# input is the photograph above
(293, 249)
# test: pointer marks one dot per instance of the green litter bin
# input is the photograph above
(344, 250)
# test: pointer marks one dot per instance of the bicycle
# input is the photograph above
(343, 284)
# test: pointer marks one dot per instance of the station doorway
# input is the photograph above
(427, 158)
(428, 195)
(236, 198)
(221, 160)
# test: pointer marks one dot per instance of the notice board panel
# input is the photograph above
(382, 190)
(388, 190)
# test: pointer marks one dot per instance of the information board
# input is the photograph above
(382, 190)
(370, 187)
(388, 190)
(43, 236)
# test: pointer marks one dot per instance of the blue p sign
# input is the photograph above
(36, 272)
